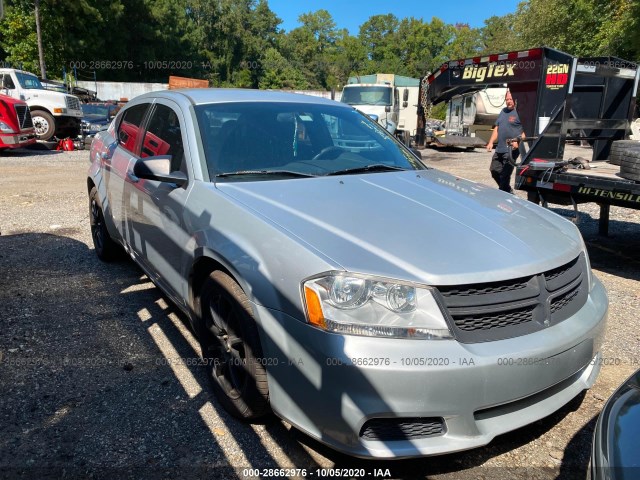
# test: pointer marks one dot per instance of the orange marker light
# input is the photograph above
(314, 309)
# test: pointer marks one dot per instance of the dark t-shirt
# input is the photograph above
(509, 126)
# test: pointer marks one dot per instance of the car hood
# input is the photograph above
(425, 226)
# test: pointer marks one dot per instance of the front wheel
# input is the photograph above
(44, 124)
(231, 347)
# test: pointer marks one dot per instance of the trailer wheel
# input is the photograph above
(630, 165)
(43, 123)
(533, 196)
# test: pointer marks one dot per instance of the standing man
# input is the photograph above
(507, 127)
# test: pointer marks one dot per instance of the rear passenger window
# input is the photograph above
(164, 137)
(129, 129)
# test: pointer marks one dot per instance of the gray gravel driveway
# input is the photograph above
(90, 385)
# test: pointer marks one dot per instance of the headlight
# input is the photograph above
(365, 305)
(5, 128)
(590, 281)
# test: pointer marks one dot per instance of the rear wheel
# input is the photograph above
(106, 249)
(231, 347)
(44, 124)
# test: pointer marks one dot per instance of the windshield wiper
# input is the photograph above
(286, 173)
(377, 167)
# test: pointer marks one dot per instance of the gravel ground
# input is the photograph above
(86, 390)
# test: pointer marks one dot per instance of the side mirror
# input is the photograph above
(158, 168)
(405, 95)
(387, 108)
(405, 104)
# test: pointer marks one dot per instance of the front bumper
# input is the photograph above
(19, 140)
(330, 385)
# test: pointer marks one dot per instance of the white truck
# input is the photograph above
(389, 99)
(53, 113)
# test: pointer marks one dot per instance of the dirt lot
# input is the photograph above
(86, 390)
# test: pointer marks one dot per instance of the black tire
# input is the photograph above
(69, 133)
(619, 148)
(231, 348)
(106, 249)
(630, 166)
(533, 196)
(44, 124)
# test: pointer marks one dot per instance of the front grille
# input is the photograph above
(72, 103)
(495, 320)
(394, 429)
(24, 116)
(498, 310)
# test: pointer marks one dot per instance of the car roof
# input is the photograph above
(201, 96)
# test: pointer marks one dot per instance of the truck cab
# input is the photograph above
(16, 127)
(378, 101)
(391, 100)
(53, 113)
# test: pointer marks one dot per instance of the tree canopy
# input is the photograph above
(241, 43)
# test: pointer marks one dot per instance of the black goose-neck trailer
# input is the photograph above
(559, 98)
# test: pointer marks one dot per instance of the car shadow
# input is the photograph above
(101, 374)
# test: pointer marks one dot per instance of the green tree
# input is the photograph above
(231, 37)
(498, 35)
(580, 27)
(18, 38)
(378, 35)
(311, 47)
(349, 58)
(280, 74)
(466, 42)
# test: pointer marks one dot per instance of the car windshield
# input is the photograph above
(95, 111)
(29, 81)
(269, 141)
(366, 95)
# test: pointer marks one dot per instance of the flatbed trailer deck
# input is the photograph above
(601, 184)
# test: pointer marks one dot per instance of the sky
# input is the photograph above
(350, 14)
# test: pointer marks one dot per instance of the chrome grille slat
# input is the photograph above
(72, 103)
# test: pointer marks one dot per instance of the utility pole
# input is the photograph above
(43, 68)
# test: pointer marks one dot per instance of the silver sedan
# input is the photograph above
(385, 308)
